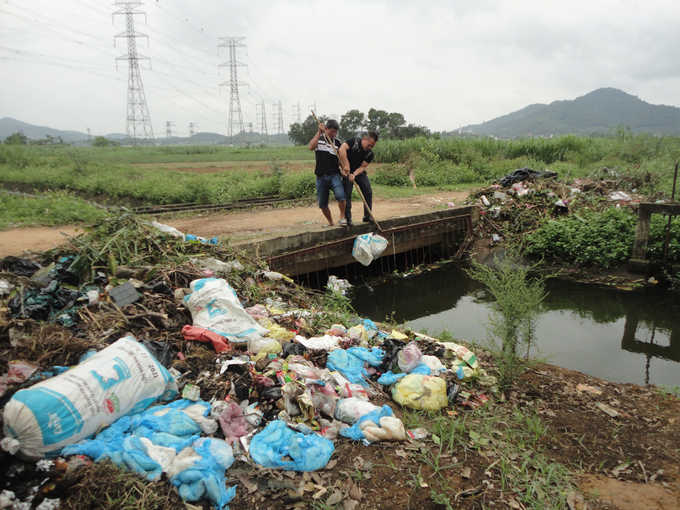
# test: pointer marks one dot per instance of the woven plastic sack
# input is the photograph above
(421, 392)
(122, 379)
(277, 441)
(368, 247)
(215, 306)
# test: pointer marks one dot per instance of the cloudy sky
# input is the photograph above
(441, 63)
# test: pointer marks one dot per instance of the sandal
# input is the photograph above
(342, 223)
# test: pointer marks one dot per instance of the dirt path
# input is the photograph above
(241, 225)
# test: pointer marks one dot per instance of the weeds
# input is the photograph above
(514, 313)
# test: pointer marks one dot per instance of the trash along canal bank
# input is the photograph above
(143, 371)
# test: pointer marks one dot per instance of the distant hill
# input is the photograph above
(595, 113)
(9, 126)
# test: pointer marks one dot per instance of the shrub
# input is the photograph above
(594, 239)
(298, 185)
(391, 175)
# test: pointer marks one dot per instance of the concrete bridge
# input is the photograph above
(411, 240)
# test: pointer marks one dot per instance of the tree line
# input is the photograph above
(390, 126)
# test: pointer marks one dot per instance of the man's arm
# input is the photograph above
(358, 171)
(314, 142)
(342, 154)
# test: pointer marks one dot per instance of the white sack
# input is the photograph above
(215, 306)
(122, 379)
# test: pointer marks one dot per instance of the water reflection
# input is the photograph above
(602, 331)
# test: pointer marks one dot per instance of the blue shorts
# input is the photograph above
(325, 183)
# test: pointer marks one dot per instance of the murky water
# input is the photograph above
(616, 335)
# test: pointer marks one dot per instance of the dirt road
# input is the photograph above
(240, 225)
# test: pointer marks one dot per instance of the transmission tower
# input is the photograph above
(312, 107)
(168, 128)
(138, 127)
(278, 118)
(297, 116)
(263, 123)
(192, 125)
(235, 113)
(89, 136)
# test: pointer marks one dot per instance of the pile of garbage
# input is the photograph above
(176, 371)
(524, 200)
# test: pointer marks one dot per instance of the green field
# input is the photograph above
(218, 174)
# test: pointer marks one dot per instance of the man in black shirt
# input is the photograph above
(327, 170)
(355, 155)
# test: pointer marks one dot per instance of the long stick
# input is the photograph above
(355, 184)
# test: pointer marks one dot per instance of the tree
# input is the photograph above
(351, 124)
(394, 123)
(301, 134)
(378, 121)
(16, 139)
(413, 131)
(100, 141)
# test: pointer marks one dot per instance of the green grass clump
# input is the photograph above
(50, 209)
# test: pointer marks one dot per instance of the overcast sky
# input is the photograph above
(441, 63)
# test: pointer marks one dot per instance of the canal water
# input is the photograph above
(628, 337)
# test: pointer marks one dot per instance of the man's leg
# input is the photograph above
(327, 213)
(347, 186)
(367, 191)
(323, 185)
(339, 193)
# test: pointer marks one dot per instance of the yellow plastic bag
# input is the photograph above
(421, 392)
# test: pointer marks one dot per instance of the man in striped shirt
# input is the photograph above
(327, 170)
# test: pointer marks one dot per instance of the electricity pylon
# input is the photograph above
(235, 113)
(263, 123)
(297, 115)
(278, 118)
(138, 127)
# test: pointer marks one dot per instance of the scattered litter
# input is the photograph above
(609, 410)
(338, 285)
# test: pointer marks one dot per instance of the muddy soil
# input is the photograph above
(241, 225)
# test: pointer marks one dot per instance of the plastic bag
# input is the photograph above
(350, 410)
(233, 423)
(277, 441)
(368, 247)
(215, 306)
(323, 396)
(351, 362)
(205, 335)
(378, 425)
(205, 479)
(421, 392)
(409, 357)
(338, 285)
(264, 344)
(326, 342)
(122, 379)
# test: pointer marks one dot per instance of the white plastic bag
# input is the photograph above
(368, 247)
(350, 410)
(122, 379)
(168, 230)
(215, 306)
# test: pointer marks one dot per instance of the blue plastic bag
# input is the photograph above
(205, 479)
(351, 362)
(354, 432)
(276, 441)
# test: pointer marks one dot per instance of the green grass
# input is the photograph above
(508, 434)
(50, 209)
